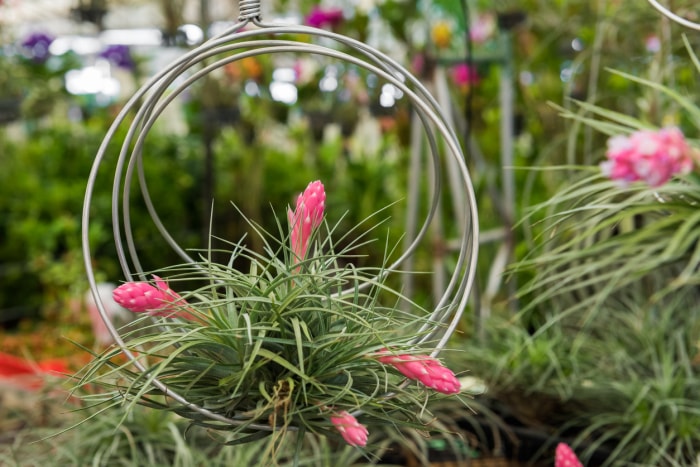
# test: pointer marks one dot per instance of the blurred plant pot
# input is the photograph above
(176, 38)
(318, 120)
(89, 14)
(221, 116)
(10, 109)
(508, 20)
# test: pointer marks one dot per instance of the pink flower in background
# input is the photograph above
(320, 17)
(158, 300)
(651, 156)
(464, 75)
(306, 218)
(652, 43)
(418, 64)
(352, 431)
(428, 370)
(482, 28)
(564, 457)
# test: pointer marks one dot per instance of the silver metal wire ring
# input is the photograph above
(153, 98)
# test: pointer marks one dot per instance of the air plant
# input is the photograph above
(302, 342)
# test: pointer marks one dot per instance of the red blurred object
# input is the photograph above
(27, 374)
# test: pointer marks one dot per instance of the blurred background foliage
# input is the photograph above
(624, 368)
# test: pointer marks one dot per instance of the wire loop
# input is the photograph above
(249, 10)
(146, 106)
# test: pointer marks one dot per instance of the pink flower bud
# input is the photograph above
(651, 156)
(158, 300)
(352, 431)
(306, 218)
(564, 457)
(424, 368)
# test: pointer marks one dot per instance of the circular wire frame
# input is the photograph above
(235, 44)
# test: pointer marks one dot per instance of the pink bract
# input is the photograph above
(424, 368)
(564, 457)
(306, 217)
(352, 431)
(158, 300)
(650, 156)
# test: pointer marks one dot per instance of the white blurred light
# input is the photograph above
(392, 90)
(91, 80)
(144, 36)
(328, 83)
(78, 44)
(526, 78)
(283, 92)
(577, 44)
(193, 34)
(251, 88)
(284, 74)
(566, 75)
(386, 99)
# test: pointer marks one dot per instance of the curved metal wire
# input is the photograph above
(674, 17)
(234, 44)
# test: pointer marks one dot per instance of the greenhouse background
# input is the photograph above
(571, 334)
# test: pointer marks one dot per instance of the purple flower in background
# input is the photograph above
(319, 17)
(36, 46)
(119, 55)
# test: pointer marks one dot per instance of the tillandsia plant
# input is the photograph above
(303, 342)
(640, 203)
(609, 324)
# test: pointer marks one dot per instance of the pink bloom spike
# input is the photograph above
(424, 368)
(564, 457)
(306, 217)
(158, 300)
(651, 156)
(352, 431)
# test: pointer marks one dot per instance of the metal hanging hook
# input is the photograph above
(249, 10)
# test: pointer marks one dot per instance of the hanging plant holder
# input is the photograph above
(300, 342)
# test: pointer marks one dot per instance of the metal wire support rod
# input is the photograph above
(674, 17)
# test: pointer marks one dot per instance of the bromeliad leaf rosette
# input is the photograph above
(302, 341)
